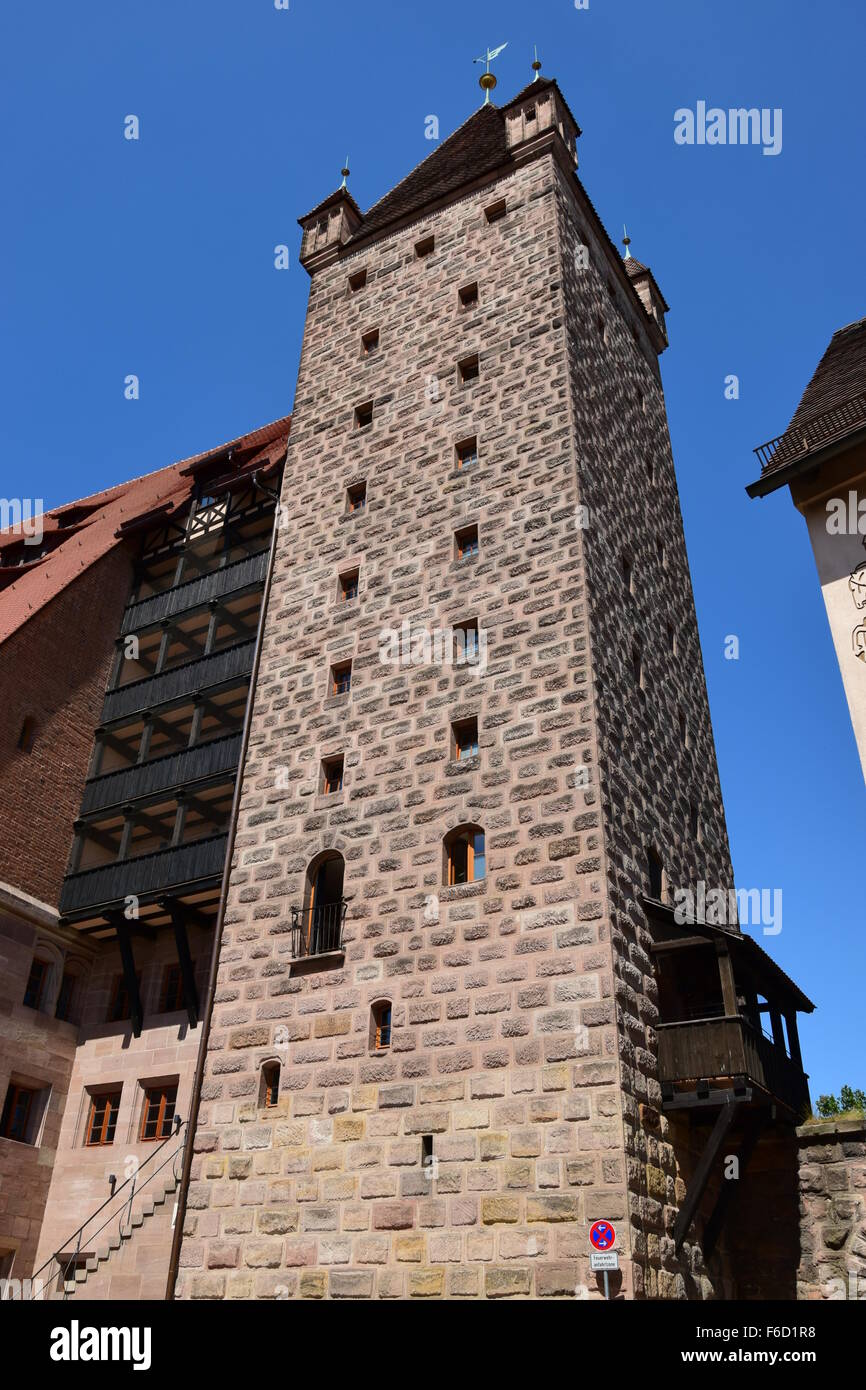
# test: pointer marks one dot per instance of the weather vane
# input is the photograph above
(626, 241)
(536, 66)
(345, 171)
(487, 80)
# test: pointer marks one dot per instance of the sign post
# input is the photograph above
(602, 1238)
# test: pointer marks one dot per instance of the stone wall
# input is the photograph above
(832, 1159)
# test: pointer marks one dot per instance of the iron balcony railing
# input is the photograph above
(813, 434)
(318, 931)
(195, 593)
(173, 770)
(204, 673)
(164, 870)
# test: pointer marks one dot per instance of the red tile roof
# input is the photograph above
(65, 551)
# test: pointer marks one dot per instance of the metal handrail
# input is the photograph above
(318, 930)
(125, 1209)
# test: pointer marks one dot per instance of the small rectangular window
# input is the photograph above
(468, 370)
(496, 211)
(464, 736)
(468, 296)
(172, 990)
(341, 678)
(102, 1119)
(348, 586)
(382, 1024)
(466, 542)
(357, 281)
(465, 637)
(158, 1112)
(529, 113)
(369, 341)
(627, 573)
(467, 453)
(424, 247)
(63, 1008)
(22, 1112)
(694, 820)
(120, 1007)
(270, 1084)
(332, 775)
(36, 982)
(364, 415)
(356, 497)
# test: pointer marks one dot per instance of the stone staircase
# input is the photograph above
(131, 1257)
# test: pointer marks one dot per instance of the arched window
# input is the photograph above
(324, 906)
(269, 1087)
(465, 859)
(380, 1025)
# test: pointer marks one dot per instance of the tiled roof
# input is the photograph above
(832, 407)
(840, 374)
(65, 551)
(476, 148)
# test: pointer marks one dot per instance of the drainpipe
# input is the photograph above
(180, 1213)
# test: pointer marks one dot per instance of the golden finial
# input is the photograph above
(487, 80)
(345, 171)
(536, 66)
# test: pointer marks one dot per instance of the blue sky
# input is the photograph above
(156, 257)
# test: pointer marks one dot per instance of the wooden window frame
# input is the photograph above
(339, 669)
(353, 494)
(329, 765)
(165, 1098)
(349, 580)
(463, 450)
(464, 533)
(382, 1030)
(459, 729)
(107, 1121)
(465, 835)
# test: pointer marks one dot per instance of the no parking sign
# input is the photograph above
(602, 1235)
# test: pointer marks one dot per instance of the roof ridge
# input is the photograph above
(486, 106)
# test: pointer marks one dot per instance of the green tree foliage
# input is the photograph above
(848, 1099)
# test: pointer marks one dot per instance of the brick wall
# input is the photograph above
(54, 669)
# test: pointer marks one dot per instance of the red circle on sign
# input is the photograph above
(602, 1235)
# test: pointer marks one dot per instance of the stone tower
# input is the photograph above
(480, 763)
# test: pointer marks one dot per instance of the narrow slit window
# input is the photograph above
(364, 416)
(356, 497)
(466, 542)
(348, 586)
(341, 678)
(464, 734)
(468, 370)
(655, 874)
(637, 667)
(27, 736)
(465, 639)
(36, 982)
(627, 573)
(382, 1025)
(369, 342)
(332, 775)
(65, 996)
(270, 1091)
(467, 453)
